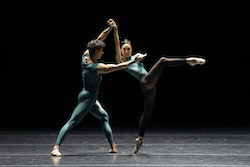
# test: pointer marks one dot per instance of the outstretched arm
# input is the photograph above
(108, 68)
(102, 36)
(118, 56)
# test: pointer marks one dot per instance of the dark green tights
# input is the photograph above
(87, 102)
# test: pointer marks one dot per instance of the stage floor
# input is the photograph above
(169, 147)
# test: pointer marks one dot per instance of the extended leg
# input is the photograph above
(77, 115)
(84, 103)
(150, 80)
(98, 111)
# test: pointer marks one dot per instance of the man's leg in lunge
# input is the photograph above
(77, 115)
(99, 112)
(79, 112)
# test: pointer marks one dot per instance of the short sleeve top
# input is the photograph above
(91, 80)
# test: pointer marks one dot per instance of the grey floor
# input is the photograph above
(176, 147)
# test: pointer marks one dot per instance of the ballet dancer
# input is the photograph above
(87, 99)
(147, 79)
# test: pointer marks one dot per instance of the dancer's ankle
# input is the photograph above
(140, 137)
(113, 145)
(113, 148)
(56, 147)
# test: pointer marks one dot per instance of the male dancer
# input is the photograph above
(87, 99)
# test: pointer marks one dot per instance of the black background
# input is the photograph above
(42, 41)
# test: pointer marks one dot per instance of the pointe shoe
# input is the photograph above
(200, 61)
(138, 143)
(55, 152)
(195, 61)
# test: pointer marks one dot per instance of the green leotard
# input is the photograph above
(137, 70)
(87, 102)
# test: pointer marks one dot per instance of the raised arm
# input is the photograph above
(108, 68)
(102, 36)
(118, 56)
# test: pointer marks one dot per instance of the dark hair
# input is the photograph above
(94, 45)
(126, 41)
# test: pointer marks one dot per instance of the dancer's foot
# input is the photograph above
(113, 148)
(55, 151)
(138, 143)
(195, 61)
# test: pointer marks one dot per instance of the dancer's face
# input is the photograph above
(99, 53)
(126, 50)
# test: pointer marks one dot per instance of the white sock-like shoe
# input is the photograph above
(201, 61)
(55, 152)
(195, 61)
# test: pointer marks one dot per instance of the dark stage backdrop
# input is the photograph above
(42, 41)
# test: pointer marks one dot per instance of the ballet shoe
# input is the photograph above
(113, 150)
(55, 152)
(195, 61)
(200, 61)
(138, 143)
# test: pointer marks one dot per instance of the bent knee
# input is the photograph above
(73, 122)
(165, 59)
(105, 117)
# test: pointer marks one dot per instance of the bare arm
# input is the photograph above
(103, 35)
(108, 68)
(86, 52)
(118, 56)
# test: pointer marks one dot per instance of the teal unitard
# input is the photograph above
(87, 102)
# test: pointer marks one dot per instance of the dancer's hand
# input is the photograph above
(139, 57)
(112, 23)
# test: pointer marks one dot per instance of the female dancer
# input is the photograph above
(87, 98)
(147, 79)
